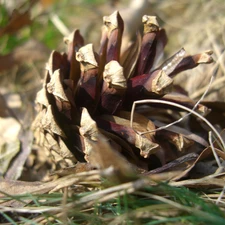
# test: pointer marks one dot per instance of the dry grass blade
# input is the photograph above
(213, 150)
(219, 199)
(183, 208)
(59, 24)
(214, 180)
(9, 188)
(112, 192)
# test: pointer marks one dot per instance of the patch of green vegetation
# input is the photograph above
(161, 204)
(8, 42)
(3, 15)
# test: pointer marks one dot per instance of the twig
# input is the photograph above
(59, 24)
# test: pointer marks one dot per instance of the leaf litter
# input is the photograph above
(96, 143)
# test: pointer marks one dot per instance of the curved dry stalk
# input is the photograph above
(212, 179)
(177, 121)
(213, 150)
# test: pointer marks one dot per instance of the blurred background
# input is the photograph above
(30, 30)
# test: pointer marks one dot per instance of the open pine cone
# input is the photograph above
(87, 95)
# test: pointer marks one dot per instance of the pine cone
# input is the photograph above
(88, 94)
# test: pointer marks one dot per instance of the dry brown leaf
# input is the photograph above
(9, 187)
(207, 153)
(187, 164)
(182, 163)
(19, 187)
(17, 21)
